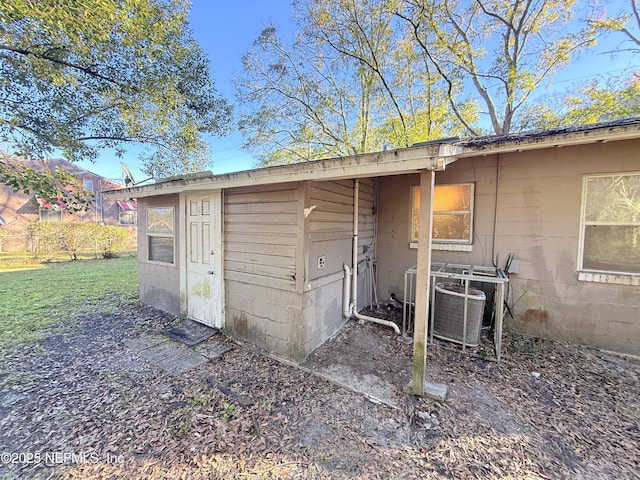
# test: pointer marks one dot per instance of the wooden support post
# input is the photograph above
(423, 281)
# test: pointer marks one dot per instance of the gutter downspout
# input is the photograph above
(352, 308)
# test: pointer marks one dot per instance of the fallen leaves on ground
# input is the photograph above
(107, 413)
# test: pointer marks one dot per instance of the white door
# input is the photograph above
(204, 258)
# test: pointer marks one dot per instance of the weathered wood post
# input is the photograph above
(423, 279)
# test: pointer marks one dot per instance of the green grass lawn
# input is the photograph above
(33, 299)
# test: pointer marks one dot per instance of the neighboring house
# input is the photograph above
(262, 253)
(18, 209)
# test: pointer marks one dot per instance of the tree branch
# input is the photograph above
(43, 56)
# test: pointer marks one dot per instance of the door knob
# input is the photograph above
(210, 272)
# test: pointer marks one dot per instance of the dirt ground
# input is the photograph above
(83, 405)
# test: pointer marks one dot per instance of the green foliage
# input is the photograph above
(78, 76)
(592, 102)
(4, 235)
(31, 300)
(625, 22)
(55, 186)
(502, 50)
(198, 400)
(350, 83)
(180, 424)
(111, 239)
(45, 238)
(229, 411)
(365, 75)
(50, 238)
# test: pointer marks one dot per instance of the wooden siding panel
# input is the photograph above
(270, 208)
(260, 231)
(232, 238)
(257, 269)
(246, 248)
(261, 197)
(257, 259)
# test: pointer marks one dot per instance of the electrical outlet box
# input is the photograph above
(322, 262)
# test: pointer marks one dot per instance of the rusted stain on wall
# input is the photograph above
(536, 315)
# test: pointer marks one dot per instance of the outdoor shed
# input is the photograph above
(266, 254)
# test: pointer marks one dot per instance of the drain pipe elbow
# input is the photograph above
(386, 323)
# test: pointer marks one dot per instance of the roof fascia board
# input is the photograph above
(392, 162)
(555, 141)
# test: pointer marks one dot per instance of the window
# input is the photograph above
(452, 213)
(50, 212)
(127, 212)
(610, 224)
(50, 215)
(87, 184)
(127, 218)
(160, 234)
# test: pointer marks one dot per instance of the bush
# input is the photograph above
(45, 238)
(111, 239)
(76, 237)
(4, 235)
(50, 238)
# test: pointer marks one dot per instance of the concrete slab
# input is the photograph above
(372, 386)
(173, 358)
(212, 349)
(437, 391)
(165, 353)
(137, 344)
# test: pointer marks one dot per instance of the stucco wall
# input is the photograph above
(159, 284)
(394, 223)
(538, 220)
(394, 220)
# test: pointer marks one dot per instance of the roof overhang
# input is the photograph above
(435, 155)
(391, 162)
(537, 140)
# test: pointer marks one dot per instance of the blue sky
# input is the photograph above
(226, 29)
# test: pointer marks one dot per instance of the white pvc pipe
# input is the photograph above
(377, 320)
(346, 297)
(353, 306)
(354, 251)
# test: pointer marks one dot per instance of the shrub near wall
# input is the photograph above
(48, 239)
(4, 236)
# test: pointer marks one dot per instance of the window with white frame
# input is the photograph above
(87, 184)
(610, 224)
(51, 214)
(127, 210)
(452, 213)
(127, 217)
(160, 234)
(50, 211)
